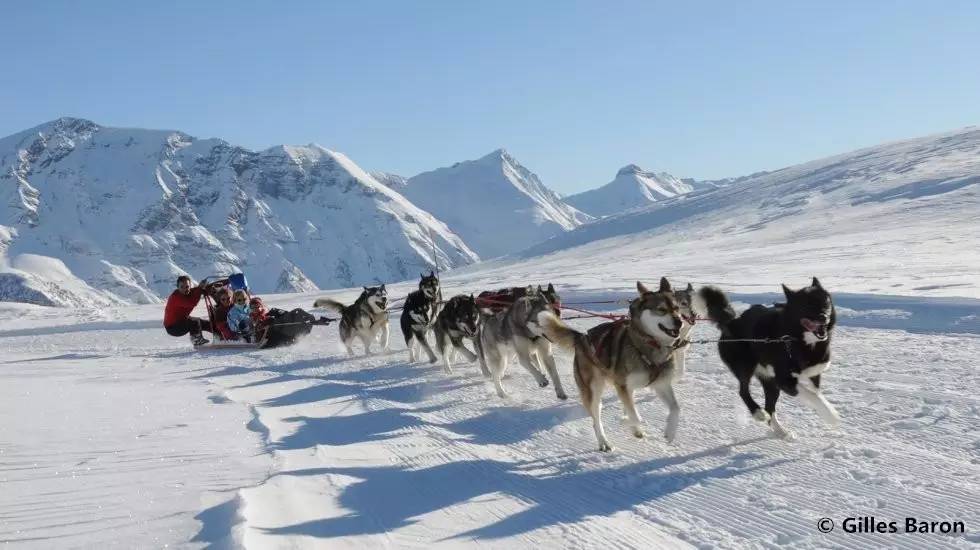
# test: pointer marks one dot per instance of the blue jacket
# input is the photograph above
(236, 315)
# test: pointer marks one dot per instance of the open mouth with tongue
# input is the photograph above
(672, 332)
(818, 329)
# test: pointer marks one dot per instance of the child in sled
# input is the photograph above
(259, 317)
(239, 316)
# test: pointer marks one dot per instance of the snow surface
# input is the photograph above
(899, 218)
(494, 203)
(633, 187)
(114, 434)
(128, 210)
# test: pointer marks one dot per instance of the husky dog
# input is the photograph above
(459, 319)
(516, 328)
(420, 309)
(794, 366)
(493, 301)
(691, 307)
(366, 318)
(631, 353)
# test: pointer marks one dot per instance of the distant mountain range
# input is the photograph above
(98, 215)
(127, 210)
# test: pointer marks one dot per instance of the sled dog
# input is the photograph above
(517, 329)
(366, 318)
(690, 306)
(420, 310)
(458, 319)
(629, 354)
(794, 366)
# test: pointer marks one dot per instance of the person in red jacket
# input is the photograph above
(177, 318)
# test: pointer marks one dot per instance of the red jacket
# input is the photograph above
(179, 307)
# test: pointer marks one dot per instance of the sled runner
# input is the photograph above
(283, 328)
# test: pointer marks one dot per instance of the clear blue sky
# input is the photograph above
(574, 90)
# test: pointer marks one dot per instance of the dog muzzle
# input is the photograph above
(817, 329)
(672, 332)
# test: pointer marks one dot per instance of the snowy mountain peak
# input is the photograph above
(629, 169)
(632, 187)
(495, 203)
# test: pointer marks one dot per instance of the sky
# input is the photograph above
(574, 90)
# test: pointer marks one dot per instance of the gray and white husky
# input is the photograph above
(691, 306)
(366, 318)
(629, 354)
(517, 329)
(459, 319)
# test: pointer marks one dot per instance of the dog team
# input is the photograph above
(785, 346)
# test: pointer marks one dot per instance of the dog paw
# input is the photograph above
(761, 415)
(627, 422)
(543, 383)
(785, 435)
(605, 448)
(638, 433)
(562, 396)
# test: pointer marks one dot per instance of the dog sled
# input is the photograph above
(282, 328)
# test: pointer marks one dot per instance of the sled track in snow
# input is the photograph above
(375, 450)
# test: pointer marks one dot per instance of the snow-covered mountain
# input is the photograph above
(494, 203)
(127, 210)
(633, 187)
(870, 220)
(393, 181)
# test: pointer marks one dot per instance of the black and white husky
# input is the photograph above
(420, 310)
(366, 318)
(517, 329)
(458, 319)
(793, 366)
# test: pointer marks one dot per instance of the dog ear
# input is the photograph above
(365, 288)
(530, 289)
(788, 292)
(551, 287)
(664, 285)
(690, 287)
(641, 288)
(383, 288)
(815, 283)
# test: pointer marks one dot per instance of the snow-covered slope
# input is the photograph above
(127, 210)
(393, 181)
(633, 187)
(47, 281)
(496, 205)
(875, 220)
(115, 435)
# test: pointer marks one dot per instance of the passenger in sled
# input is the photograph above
(241, 320)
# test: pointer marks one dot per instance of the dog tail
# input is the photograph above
(329, 304)
(719, 308)
(563, 335)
